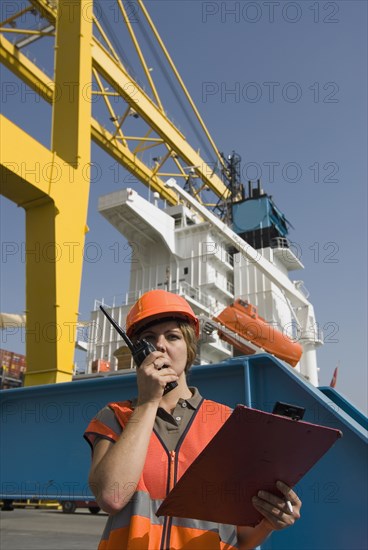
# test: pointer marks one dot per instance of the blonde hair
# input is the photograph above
(191, 341)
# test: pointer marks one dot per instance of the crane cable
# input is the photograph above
(153, 48)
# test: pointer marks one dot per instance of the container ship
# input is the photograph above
(234, 275)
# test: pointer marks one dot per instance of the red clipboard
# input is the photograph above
(251, 451)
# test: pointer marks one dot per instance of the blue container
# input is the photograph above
(43, 454)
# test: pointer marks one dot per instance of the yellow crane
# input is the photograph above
(50, 182)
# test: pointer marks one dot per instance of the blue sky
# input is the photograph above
(284, 85)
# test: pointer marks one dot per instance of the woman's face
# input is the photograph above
(168, 338)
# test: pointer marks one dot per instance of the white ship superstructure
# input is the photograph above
(186, 249)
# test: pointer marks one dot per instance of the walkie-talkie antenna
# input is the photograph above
(122, 333)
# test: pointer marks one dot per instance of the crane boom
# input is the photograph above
(118, 77)
(89, 64)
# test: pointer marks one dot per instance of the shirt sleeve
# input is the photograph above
(103, 426)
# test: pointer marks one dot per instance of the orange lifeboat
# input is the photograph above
(242, 318)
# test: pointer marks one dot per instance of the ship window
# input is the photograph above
(186, 270)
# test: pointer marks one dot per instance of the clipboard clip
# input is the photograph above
(295, 412)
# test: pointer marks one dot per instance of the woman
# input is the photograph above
(142, 447)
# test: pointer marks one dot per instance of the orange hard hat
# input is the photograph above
(159, 304)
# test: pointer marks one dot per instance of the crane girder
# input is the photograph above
(120, 80)
(124, 156)
(56, 201)
(49, 184)
(46, 8)
(13, 167)
(117, 76)
(41, 83)
(26, 70)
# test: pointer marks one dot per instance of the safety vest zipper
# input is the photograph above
(172, 473)
(168, 520)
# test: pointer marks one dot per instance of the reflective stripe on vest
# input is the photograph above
(136, 526)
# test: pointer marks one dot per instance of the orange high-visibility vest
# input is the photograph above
(136, 526)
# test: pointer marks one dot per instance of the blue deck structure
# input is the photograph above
(43, 453)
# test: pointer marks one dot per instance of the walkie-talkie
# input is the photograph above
(139, 350)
